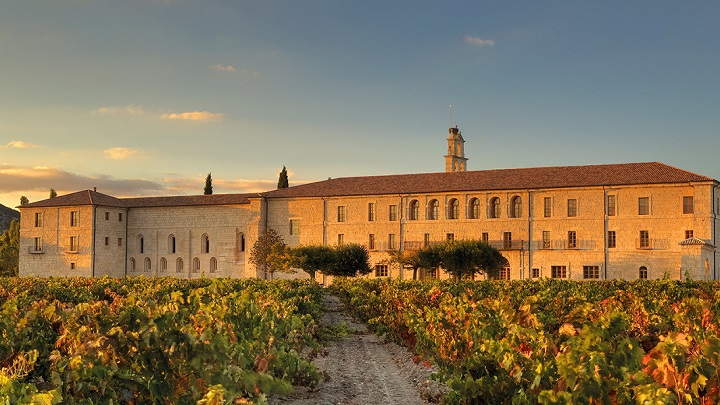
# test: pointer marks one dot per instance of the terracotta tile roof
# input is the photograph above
(188, 200)
(500, 179)
(695, 241)
(85, 197)
(89, 197)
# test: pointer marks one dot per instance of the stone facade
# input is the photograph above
(638, 220)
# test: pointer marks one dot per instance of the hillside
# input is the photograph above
(7, 215)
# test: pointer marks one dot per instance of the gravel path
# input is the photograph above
(364, 369)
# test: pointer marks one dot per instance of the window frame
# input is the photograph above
(643, 205)
(38, 220)
(688, 204)
(611, 205)
(294, 227)
(392, 212)
(611, 239)
(546, 241)
(474, 208)
(558, 272)
(381, 270)
(341, 214)
(507, 240)
(572, 207)
(434, 210)
(591, 272)
(572, 240)
(371, 211)
(515, 207)
(74, 218)
(645, 239)
(547, 207)
(453, 209)
(494, 209)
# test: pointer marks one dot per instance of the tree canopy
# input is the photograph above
(53, 193)
(208, 184)
(267, 252)
(283, 179)
(24, 200)
(10, 250)
(313, 258)
(351, 260)
(463, 258)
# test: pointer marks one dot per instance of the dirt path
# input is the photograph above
(364, 369)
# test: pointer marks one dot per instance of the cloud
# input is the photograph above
(17, 145)
(203, 116)
(233, 69)
(25, 180)
(477, 41)
(119, 153)
(223, 68)
(128, 109)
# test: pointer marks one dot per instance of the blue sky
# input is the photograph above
(145, 97)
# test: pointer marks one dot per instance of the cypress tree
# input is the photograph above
(208, 184)
(283, 179)
(53, 193)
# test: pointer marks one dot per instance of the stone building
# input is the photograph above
(632, 220)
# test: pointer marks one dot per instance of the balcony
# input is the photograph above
(651, 244)
(34, 251)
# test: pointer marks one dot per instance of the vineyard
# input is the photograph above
(155, 341)
(554, 341)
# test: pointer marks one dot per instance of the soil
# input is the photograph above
(363, 368)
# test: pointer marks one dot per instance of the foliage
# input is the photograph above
(283, 178)
(462, 259)
(267, 244)
(554, 341)
(10, 250)
(24, 200)
(53, 193)
(208, 190)
(313, 258)
(140, 341)
(351, 260)
(406, 259)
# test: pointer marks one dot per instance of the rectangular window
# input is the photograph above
(341, 239)
(485, 237)
(38, 219)
(643, 273)
(371, 211)
(72, 265)
(73, 243)
(644, 206)
(547, 202)
(450, 237)
(546, 240)
(37, 245)
(392, 241)
(611, 239)
(504, 273)
(611, 205)
(119, 216)
(688, 207)
(689, 234)
(535, 273)
(558, 271)
(107, 241)
(393, 213)
(107, 216)
(426, 240)
(371, 241)
(644, 239)
(341, 213)
(590, 272)
(119, 241)
(74, 218)
(572, 207)
(294, 227)
(572, 240)
(381, 270)
(507, 240)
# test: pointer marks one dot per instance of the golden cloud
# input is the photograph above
(119, 153)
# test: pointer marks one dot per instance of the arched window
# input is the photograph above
(433, 209)
(141, 244)
(163, 265)
(171, 244)
(205, 248)
(132, 264)
(196, 265)
(453, 209)
(148, 264)
(179, 265)
(515, 207)
(213, 265)
(414, 211)
(494, 208)
(474, 209)
(643, 273)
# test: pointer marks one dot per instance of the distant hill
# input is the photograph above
(6, 216)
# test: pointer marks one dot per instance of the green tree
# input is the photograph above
(464, 258)
(283, 179)
(53, 193)
(24, 200)
(265, 250)
(351, 260)
(10, 250)
(314, 258)
(208, 184)
(405, 259)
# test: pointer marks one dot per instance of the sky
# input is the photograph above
(146, 97)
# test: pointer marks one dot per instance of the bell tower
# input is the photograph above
(455, 160)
